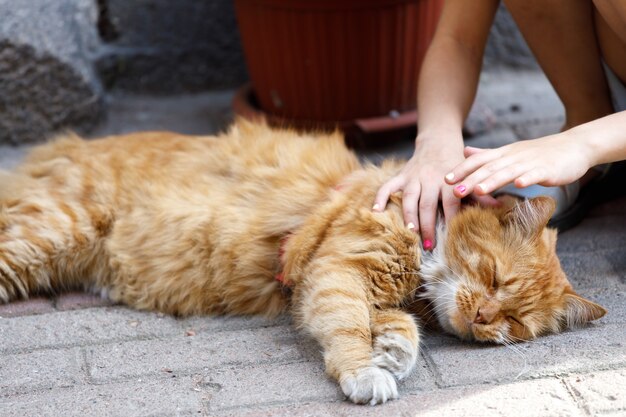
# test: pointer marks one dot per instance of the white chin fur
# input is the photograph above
(439, 281)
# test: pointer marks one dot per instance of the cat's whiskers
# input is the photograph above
(507, 341)
(433, 311)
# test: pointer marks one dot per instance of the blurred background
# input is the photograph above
(77, 63)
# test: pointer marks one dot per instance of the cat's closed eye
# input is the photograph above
(494, 278)
(513, 319)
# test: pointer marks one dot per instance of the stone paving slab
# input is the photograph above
(600, 393)
(540, 398)
(82, 327)
(519, 98)
(168, 397)
(239, 387)
(592, 269)
(188, 354)
(26, 372)
(594, 233)
(460, 363)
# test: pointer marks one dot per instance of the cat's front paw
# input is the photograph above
(371, 385)
(395, 353)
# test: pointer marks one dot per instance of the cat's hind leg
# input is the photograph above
(396, 341)
(46, 241)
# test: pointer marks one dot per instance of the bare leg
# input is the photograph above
(611, 31)
(561, 34)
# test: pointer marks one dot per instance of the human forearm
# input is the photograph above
(447, 87)
(552, 160)
(449, 75)
(605, 138)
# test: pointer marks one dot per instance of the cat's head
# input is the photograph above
(495, 276)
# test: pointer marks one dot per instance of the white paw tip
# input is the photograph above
(395, 353)
(371, 385)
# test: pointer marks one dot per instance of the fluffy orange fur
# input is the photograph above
(193, 225)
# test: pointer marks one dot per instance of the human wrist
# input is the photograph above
(592, 148)
(441, 135)
(439, 147)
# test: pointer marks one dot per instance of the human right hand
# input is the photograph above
(422, 184)
(549, 161)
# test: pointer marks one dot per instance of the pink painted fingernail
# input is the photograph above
(428, 245)
(460, 188)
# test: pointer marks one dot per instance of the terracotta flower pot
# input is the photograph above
(325, 61)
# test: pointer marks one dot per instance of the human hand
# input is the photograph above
(548, 161)
(422, 184)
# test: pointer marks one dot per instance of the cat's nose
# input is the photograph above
(486, 313)
(479, 319)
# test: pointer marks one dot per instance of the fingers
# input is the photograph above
(470, 150)
(471, 164)
(491, 177)
(388, 188)
(535, 176)
(486, 200)
(450, 203)
(410, 197)
(428, 201)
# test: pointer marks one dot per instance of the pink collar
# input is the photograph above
(280, 277)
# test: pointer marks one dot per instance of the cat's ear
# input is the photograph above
(530, 216)
(579, 310)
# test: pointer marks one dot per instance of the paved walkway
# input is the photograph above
(75, 355)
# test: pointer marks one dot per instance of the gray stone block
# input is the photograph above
(421, 379)
(291, 383)
(47, 81)
(601, 392)
(46, 369)
(594, 268)
(198, 114)
(172, 397)
(83, 327)
(540, 398)
(594, 233)
(202, 324)
(578, 350)
(526, 99)
(183, 355)
(164, 46)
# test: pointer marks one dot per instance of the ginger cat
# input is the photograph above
(199, 225)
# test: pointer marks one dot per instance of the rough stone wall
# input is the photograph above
(47, 80)
(168, 47)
